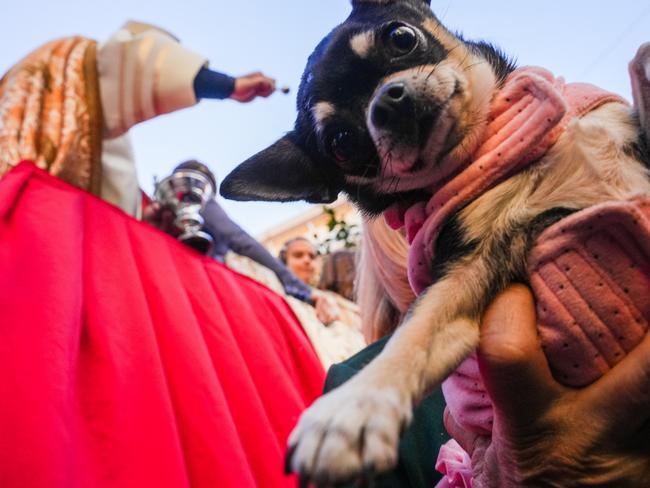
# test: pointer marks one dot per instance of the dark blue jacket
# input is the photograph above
(228, 235)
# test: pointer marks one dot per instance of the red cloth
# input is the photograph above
(128, 360)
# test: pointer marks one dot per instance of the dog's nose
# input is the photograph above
(393, 105)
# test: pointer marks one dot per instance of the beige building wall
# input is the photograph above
(311, 224)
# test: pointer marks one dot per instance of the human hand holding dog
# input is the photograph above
(251, 86)
(326, 309)
(547, 434)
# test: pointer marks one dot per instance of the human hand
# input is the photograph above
(302, 293)
(549, 435)
(161, 217)
(249, 87)
(327, 310)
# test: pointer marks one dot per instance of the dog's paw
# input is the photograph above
(349, 433)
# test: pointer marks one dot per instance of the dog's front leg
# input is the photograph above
(355, 429)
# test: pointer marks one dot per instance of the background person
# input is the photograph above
(144, 71)
(68, 105)
(300, 255)
(339, 273)
(333, 323)
(228, 236)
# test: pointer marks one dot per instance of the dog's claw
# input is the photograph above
(303, 480)
(403, 425)
(288, 457)
(366, 483)
(352, 447)
(369, 471)
(367, 478)
(322, 480)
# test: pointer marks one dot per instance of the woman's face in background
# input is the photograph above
(301, 259)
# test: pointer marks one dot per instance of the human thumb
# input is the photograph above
(511, 359)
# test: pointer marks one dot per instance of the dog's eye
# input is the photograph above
(342, 145)
(402, 39)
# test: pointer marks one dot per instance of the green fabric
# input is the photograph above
(420, 443)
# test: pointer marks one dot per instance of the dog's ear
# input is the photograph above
(280, 173)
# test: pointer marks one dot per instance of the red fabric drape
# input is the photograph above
(128, 360)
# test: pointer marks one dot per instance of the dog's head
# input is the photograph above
(390, 102)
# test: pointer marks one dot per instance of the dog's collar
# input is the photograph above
(527, 116)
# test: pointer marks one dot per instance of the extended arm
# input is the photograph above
(238, 240)
(211, 84)
(144, 71)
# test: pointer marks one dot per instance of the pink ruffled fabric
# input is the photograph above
(590, 274)
(456, 466)
(467, 399)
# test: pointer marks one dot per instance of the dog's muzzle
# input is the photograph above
(397, 110)
(393, 108)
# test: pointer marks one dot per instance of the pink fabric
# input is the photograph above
(591, 275)
(456, 466)
(527, 117)
(466, 398)
(128, 360)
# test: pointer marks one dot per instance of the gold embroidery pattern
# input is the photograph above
(50, 112)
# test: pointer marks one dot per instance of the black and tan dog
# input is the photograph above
(389, 101)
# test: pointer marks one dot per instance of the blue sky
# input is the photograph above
(582, 40)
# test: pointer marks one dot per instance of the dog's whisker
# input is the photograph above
(431, 73)
(396, 186)
(458, 44)
(368, 166)
(478, 63)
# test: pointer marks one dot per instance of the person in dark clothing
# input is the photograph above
(228, 236)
